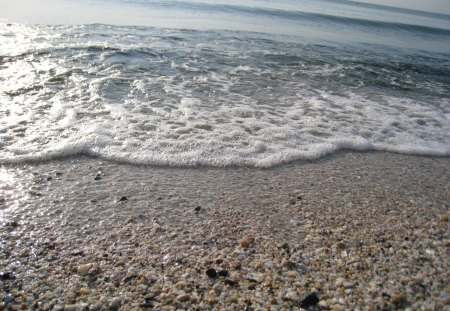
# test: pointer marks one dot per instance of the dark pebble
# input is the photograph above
(12, 224)
(123, 198)
(290, 265)
(8, 299)
(197, 209)
(309, 301)
(6, 276)
(147, 305)
(49, 178)
(211, 272)
(230, 282)
(98, 177)
(292, 201)
(77, 253)
(224, 273)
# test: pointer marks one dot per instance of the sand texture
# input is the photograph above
(353, 231)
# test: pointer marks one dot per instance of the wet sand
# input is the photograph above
(365, 231)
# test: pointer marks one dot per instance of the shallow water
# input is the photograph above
(253, 84)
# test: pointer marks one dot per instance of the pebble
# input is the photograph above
(8, 299)
(211, 272)
(83, 270)
(123, 198)
(224, 273)
(309, 301)
(6, 276)
(231, 282)
(182, 298)
(247, 241)
(72, 308)
(115, 303)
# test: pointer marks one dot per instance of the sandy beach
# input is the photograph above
(351, 231)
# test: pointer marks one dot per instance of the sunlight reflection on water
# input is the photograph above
(11, 192)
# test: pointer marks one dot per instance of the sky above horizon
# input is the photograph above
(437, 6)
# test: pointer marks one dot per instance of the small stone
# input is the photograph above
(399, 300)
(290, 265)
(444, 218)
(290, 296)
(6, 276)
(123, 198)
(211, 272)
(147, 305)
(247, 241)
(97, 177)
(130, 221)
(85, 291)
(49, 178)
(8, 299)
(84, 269)
(197, 209)
(182, 298)
(230, 282)
(309, 301)
(224, 273)
(12, 224)
(115, 303)
(286, 247)
(72, 308)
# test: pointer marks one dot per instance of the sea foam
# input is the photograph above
(189, 98)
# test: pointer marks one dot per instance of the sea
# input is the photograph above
(252, 83)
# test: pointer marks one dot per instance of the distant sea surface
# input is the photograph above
(224, 83)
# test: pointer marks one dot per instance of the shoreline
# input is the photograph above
(352, 230)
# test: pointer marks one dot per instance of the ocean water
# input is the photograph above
(223, 83)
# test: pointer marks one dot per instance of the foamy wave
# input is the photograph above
(258, 103)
